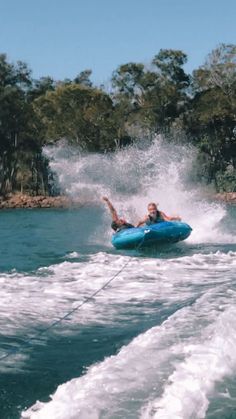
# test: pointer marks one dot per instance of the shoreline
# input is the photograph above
(227, 197)
(18, 200)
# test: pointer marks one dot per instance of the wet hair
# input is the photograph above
(114, 225)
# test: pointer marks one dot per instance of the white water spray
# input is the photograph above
(134, 176)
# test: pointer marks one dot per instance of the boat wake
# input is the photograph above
(173, 368)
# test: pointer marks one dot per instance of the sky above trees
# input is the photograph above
(62, 38)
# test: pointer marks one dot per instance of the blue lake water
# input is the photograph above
(162, 332)
(159, 341)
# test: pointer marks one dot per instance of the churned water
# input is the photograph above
(159, 341)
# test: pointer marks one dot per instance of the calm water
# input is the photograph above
(159, 342)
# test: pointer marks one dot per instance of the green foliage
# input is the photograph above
(159, 98)
(20, 145)
(40, 87)
(210, 119)
(81, 114)
(84, 78)
(152, 98)
(226, 180)
(170, 65)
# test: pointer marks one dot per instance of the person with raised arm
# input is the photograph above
(118, 223)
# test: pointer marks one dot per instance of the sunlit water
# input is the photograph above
(159, 341)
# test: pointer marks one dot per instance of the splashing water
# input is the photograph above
(134, 176)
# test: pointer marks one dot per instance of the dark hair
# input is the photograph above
(114, 225)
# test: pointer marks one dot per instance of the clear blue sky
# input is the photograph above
(60, 38)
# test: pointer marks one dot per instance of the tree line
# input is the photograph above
(197, 108)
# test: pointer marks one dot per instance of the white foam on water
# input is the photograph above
(33, 301)
(129, 383)
(133, 177)
(28, 300)
(72, 255)
(168, 371)
(186, 394)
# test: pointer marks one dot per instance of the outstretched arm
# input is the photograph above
(141, 222)
(113, 212)
(167, 218)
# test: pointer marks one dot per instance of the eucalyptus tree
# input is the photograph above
(15, 79)
(81, 114)
(152, 96)
(211, 117)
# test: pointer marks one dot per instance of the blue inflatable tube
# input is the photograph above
(160, 233)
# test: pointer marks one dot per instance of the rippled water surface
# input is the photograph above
(159, 341)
